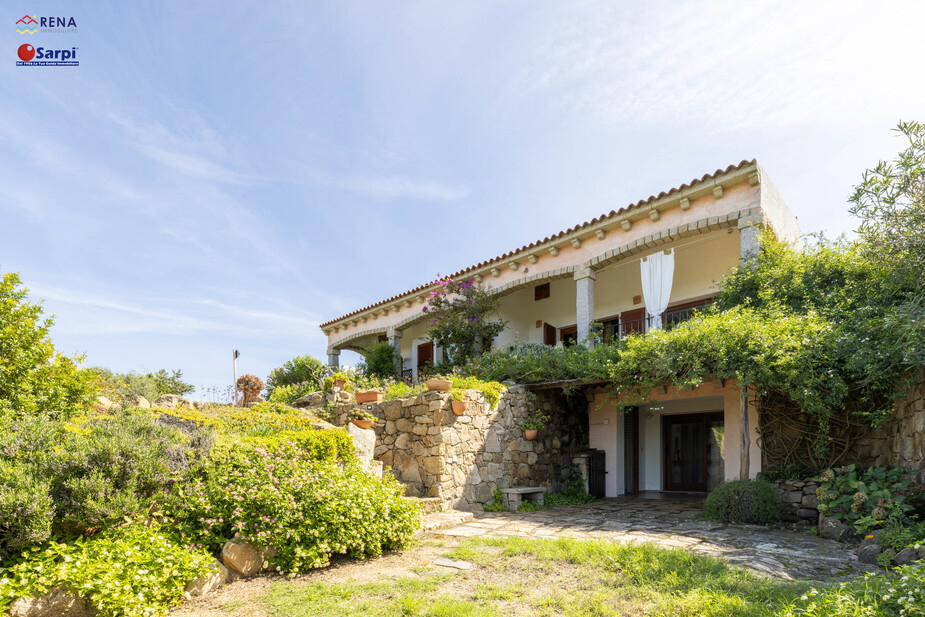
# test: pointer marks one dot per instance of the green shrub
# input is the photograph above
(380, 361)
(496, 504)
(532, 363)
(306, 508)
(742, 501)
(399, 389)
(254, 422)
(299, 370)
(122, 387)
(491, 389)
(290, 393)
(26, 511)
(131, 571)
(97, 471)
(789, 471)
(901, 593)
(865, 499)
(529, 505)
(574, 493)
(113, 468)
(898, 533)
(34, 379)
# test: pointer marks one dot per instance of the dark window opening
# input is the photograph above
(541, 292)
(569, 336)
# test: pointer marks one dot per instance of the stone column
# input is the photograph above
(333, 357)
(750, 229)
(584, 301)
(394, 336)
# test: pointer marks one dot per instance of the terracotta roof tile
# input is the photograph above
(594, 221)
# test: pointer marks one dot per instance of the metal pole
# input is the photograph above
(234, 384)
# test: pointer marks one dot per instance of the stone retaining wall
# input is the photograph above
(462, 459)
(796, 500)
(901, 442)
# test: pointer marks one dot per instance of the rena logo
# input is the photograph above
(26, 52)
(40, 56)
(25, 22)
(47, 24)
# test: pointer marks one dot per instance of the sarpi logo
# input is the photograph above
(41, 56)
(27, 21)
(45, 24)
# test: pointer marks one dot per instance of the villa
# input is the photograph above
(647, 265)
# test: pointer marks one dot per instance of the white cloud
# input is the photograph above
(388, 186)
(91, 313)
(729, 64)
(201, 154)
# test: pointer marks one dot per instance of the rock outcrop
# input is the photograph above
(168, 401)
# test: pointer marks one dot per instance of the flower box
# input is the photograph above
(370, 396)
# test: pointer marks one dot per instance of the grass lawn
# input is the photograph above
(574, 578)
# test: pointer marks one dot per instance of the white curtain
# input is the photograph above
(657, 275)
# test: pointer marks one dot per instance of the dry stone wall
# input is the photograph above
(901, 442)
(462, 459)
(796, 500)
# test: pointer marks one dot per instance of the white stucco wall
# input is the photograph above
(606, 432)
(699, 263)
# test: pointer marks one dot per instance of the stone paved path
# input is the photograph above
(670, 523)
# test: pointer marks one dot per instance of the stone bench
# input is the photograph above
(513, 496)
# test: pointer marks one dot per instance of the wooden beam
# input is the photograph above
(746, 438)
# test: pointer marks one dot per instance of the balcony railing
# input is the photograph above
(617, 328)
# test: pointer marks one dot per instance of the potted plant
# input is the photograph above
(438, 383)
(340, 381)
(458, 401)
(368, 389)
(336, 380)
(250, 385)
(534, 424)
(362, 419)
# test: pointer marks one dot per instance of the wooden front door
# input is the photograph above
(633, 322)
(693, 451)
(425, 355)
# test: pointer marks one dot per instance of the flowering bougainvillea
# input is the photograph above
(460, 323)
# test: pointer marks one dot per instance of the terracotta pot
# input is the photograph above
(530, 434)
(340, 383)
(371, 396)
(362, 423)
(459, 407)
(439, 385)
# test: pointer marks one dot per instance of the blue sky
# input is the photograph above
(225, 174)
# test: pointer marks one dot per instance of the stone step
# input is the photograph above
(428, 505)
(436, 521)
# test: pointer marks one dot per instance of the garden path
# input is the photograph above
(670, 522)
